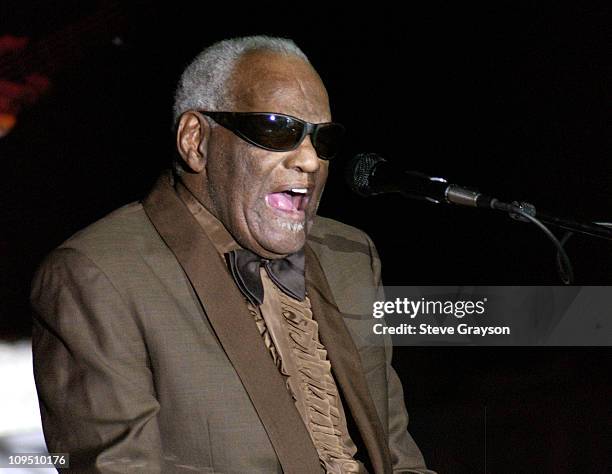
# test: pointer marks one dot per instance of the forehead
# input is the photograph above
(274, 82)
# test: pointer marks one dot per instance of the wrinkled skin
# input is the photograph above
(233, 178)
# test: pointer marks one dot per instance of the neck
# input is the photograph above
(195, 185)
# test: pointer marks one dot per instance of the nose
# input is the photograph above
(304, 158)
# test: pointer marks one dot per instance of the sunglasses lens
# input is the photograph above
(279, 132)
(271, 131)
(328, 140)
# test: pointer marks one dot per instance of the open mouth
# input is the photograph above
(292, 200)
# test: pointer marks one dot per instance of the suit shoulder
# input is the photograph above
(335, 235)
(119, 245)
(350, 263)
(123, 231)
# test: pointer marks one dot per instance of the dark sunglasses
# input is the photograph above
(280, 132)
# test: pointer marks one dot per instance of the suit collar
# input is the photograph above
(346, 364)
(234, 327)
(214, 229)
(241, 341)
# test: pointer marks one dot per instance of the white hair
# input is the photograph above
(204, 83)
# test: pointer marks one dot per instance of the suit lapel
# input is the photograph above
(345, 363)
(234, 327)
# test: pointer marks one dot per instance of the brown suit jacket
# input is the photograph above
(147, 360)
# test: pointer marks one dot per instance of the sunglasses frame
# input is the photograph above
(307, 128)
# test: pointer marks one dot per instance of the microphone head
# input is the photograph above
(359, 170)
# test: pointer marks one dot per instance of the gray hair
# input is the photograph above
(204, 83)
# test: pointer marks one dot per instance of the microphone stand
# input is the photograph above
(521, 211)
(526, 212)
(594, 230)
(455, 194)
(599, 230)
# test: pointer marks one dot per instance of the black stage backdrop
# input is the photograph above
(514, 100)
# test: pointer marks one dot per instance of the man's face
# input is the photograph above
(249, 187)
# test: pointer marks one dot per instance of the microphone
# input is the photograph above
(368, 174)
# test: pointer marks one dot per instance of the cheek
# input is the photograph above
(321, 179)
(231, 169)
(246, 182)
(323, 172)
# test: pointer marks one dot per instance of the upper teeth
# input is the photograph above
(299, 190)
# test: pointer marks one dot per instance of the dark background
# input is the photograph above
(514, 100)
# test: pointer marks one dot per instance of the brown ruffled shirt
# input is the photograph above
(291, 335)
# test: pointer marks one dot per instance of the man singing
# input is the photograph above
(219, 325)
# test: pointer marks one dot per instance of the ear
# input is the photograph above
(192, 139)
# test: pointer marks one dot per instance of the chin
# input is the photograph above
(279, 236)
(285, 248)
(290, 241)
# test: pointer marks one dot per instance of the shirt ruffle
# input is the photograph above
(293, 342)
